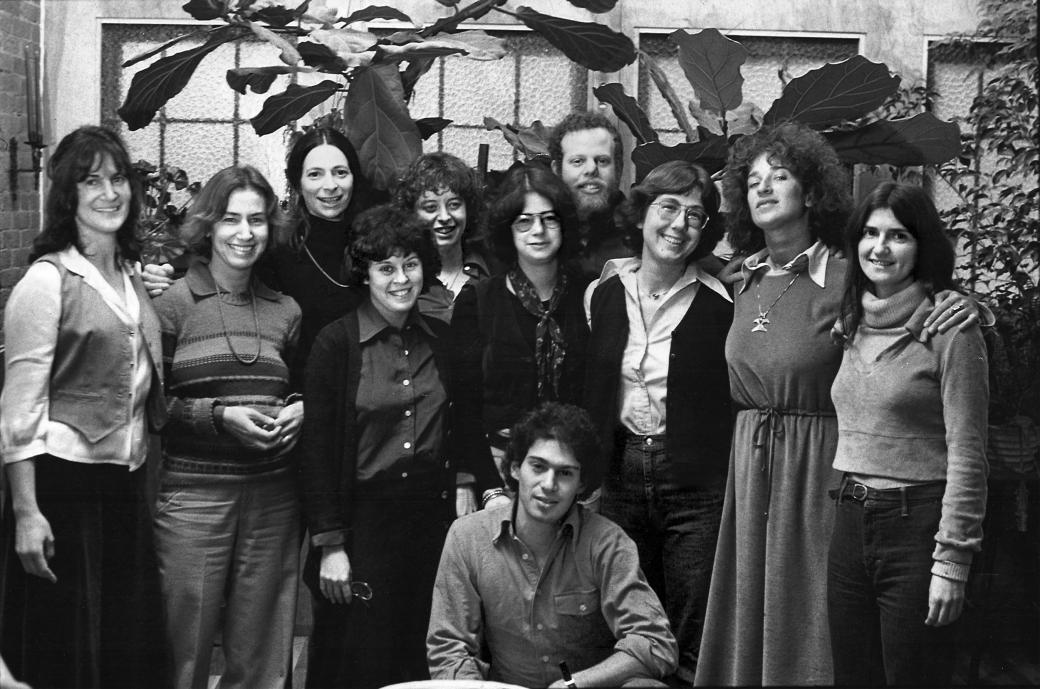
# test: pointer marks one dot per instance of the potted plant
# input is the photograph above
(997, 222)
(161, 217)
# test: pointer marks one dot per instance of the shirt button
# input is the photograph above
(539, 627)
(583, 607)
(406, 382)
(404, 474)
(407, 445)
(444, 495)
(649, 441)
(545, 659)
(406, 352)
(524, 556)
(407, 412)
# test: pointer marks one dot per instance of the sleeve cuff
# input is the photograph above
(954, 571)
(337, 537)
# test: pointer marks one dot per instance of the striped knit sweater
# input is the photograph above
(202, 371)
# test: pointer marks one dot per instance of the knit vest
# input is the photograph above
(92, 371)
(699, 417)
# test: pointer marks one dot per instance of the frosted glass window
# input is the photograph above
(767, 56)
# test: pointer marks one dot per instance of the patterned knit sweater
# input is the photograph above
(206, 345)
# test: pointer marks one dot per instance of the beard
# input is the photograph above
(592, 204)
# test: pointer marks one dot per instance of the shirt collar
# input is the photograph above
(625, 267)
(571, 524)
(371, 323)
(201, 283)
(813, 260)
(474, 265)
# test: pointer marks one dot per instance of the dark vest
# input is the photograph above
(699, 413)
(91, 375)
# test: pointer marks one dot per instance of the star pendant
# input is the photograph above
(760, 323)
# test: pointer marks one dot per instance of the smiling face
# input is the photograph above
(588, 168)
(394, 285)
(671, 241)
(775, 195)
(445, 212)
(327, 182)
(887, 253)
(549, 481)
(240, 235)
(540, 243)
(102, 199)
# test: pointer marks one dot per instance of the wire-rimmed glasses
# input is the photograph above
(696, 217)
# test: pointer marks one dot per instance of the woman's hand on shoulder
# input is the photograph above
(156, 278)
(730, 273)
(334, 574)
(465, 501)
(34, 544)
(945, 601)
(251, 428)
(951, 309)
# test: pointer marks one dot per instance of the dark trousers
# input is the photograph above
(675, 529)
(879, 571)
(101, 624)
(395, 547)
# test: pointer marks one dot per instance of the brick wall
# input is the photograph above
(19, 213)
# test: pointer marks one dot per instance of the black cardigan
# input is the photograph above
(329, 459)
(698, 408)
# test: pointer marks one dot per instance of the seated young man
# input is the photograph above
(525, 586)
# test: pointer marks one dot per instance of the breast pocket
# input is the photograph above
(578, 615)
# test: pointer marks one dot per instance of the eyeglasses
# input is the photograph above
(668, 211)
(361, 590)
(525, 221)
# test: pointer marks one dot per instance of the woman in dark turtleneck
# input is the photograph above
(328, 191)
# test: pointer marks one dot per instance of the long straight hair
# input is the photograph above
(913, 208)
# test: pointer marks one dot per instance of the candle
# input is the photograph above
(32, 95)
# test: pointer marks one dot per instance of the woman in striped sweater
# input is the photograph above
(228, 517)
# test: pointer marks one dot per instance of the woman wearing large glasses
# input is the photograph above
(523, 332)
(657, 386)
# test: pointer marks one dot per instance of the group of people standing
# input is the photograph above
(796, 439)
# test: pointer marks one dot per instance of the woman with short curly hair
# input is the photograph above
(387, 462)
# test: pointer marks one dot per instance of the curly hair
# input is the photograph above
(567, 424)
(914, 209)
(439, 172)
(302, 146)
(210, 204)
(79, 153)
(811, 160)
(674, 177)
(520, 180)
(387, 230)
(580, 122)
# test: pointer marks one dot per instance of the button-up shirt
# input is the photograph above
(587, 601)
(401, 402)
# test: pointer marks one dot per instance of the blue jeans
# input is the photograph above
(879, 571)
(675, 529)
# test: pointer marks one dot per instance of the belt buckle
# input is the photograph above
(859, 492)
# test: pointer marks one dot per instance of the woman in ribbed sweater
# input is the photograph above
(228, 518)
(911, 412)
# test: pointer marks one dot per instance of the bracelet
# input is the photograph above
(490, 494)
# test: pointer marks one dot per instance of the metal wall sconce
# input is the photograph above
(34, 124)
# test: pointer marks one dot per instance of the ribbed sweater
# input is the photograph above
(915, 409)
(203, 372)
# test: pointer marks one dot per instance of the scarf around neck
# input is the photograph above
(549, 345)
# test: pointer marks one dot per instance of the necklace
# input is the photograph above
(450, 284)
(762, 321)
(223, 324)
(322, 270)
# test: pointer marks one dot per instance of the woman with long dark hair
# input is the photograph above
(228, 516)
(657, 386)
(83, 387)
(524, 332)
(911, 412)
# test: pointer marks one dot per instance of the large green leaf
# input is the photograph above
(712, 63)
(710, 153)
(428, 126)
(154, 85)
(530, 142)
(205, 10)
(597, 6)
(291, 104)
(660, 80)
(379, 125)
(591, 45)
(259, 79)
(376, 12)
(168, 44)
(845, 90)
(627, 110)
(922, 139)
(451, 23)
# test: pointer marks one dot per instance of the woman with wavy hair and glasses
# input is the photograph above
(524, 332)
(657, 386)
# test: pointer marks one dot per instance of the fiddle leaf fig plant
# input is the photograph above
(373, 76)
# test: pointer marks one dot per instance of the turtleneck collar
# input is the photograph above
(908, 307)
